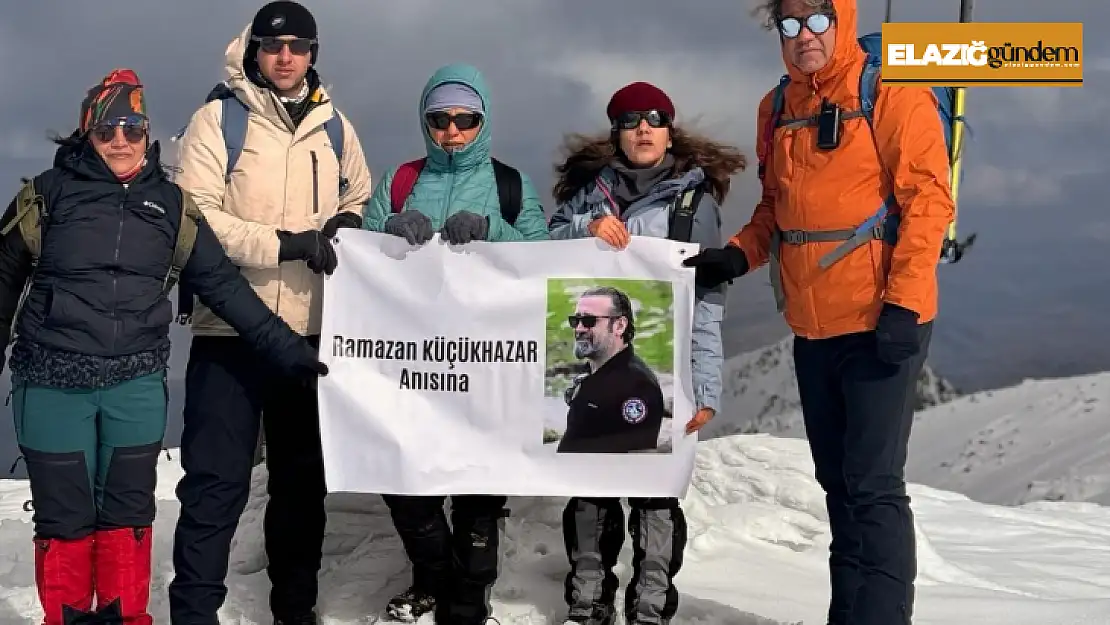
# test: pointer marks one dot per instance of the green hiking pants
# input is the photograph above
(91, 454)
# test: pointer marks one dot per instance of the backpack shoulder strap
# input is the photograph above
(334, 128)
(778, 103)
(682, 215)
(30, 210)
(404, 179)
(186, 237)
(233, 123)
(869, 87)
(510, 190)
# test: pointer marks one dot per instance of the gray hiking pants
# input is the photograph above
(593, 532)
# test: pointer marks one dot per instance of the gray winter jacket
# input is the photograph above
(650, 216)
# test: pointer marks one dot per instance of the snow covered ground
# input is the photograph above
(1043, 439)
(756, 554)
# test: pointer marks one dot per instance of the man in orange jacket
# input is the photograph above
(861, 308)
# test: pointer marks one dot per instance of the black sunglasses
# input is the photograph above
(440, 120)
(817, 23)
(632, 119)
(273, 45)
(134, 129)
(588, 321)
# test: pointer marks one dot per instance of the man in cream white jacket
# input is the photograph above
(274, 211)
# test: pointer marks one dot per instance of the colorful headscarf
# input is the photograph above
(118, 96)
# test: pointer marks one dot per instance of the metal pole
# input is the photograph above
(888, 7)
(966, 8)
(953, 249)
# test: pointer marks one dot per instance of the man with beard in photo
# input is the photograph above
(618, 406)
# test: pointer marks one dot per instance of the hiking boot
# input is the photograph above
(64, 578)
(123, 568)
(599, 614)
(308, 618)
(410, 605)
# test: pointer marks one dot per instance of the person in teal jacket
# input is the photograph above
(456, 195)
(456, 192)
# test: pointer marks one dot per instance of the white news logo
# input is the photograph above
(959, 54)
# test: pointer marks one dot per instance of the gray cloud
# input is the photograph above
(552, 65)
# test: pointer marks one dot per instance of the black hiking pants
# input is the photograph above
(229, 390)
(858, 411)
(456, 564)
(593, 532)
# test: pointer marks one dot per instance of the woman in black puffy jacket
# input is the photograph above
(90, 346)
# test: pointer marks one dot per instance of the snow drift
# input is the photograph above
(756, 556)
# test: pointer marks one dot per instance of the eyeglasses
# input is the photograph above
(463, 121)
(632, 119)
(133, 127)
(588, 321)
(273, 45)
(817, 23)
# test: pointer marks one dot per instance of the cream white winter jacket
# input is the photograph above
(286, 178)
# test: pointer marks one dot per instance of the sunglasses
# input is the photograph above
(133, 127)
(273, 45)
(632, 119)
(817, 23)
(588, 321)
(463, 121)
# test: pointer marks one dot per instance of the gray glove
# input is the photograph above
(412, 226)
(464, 227)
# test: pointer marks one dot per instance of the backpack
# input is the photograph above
(883, 224)
(510, 187)
(681, 221)
(233, 125)
(31, 213)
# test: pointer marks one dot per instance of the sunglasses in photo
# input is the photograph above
(817, 23)
(441, 120)
(134, 129)
(588, 321)
(273, 45)
(632, 119)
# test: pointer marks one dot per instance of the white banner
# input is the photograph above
(450, 368)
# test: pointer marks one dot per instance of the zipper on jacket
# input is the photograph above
(450, 184)
(115, 278)
(315, 183)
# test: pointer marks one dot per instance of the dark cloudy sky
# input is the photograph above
(1030, 300)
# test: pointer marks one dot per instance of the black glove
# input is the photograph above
(897, 335)
(714, 265)
(346, 219)
(412, 226)
(310, 246)
(464, 227)
(305, 364)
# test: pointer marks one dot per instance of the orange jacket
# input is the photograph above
(808, 189)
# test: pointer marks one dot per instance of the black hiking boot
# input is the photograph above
(410, 605)
(307, 618)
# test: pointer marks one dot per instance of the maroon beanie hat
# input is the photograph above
(639, 96)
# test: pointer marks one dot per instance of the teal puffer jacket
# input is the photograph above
(462, 181)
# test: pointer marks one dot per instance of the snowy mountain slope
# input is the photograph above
(760, 394)
(1044, 439)
(756, 556)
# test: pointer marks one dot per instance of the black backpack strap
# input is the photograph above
(510, 190)
(682, 215)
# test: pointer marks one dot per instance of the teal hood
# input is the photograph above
(477, 151)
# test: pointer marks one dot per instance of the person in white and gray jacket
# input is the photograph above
(274, 211)
(629, 182)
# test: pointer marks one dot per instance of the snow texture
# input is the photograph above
(756, 556)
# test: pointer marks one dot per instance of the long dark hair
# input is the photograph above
(589, 154)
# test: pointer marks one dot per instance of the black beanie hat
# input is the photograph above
(284, 17)
(281, 18)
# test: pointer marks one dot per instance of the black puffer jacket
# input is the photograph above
(95, 314)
